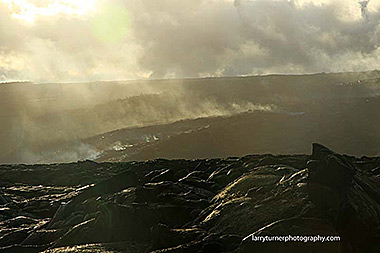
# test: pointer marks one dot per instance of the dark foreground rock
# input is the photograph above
(215, 205)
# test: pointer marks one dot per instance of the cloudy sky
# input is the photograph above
(87, 40)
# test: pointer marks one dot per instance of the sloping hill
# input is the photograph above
(348, 125)
(48, 122)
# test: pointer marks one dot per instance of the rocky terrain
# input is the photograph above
(199, 205)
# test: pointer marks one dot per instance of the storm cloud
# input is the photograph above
(199, 38)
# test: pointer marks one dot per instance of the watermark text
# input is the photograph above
(296, 238)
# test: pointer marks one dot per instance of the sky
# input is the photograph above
(90, 40)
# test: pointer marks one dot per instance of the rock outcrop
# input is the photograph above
(215, 205)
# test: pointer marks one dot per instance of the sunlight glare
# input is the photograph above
(28, 10)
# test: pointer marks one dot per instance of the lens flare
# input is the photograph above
(110, 23)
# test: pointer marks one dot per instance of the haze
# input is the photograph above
(126, 80)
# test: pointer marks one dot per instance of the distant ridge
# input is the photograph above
(121, 81)
(15, 82)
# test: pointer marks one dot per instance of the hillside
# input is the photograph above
(43, 123)
(345, 122)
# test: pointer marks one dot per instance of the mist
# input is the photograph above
(43, 123)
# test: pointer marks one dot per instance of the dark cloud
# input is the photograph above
(254, 37)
